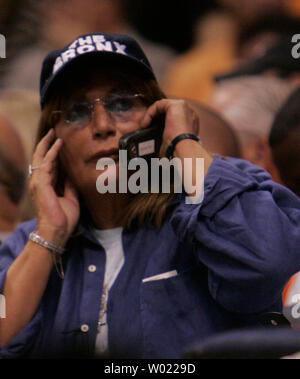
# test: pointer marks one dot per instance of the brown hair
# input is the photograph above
(143, 207)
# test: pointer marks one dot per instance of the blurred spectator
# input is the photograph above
(19, 24)
(254, 40)
(249, 104)
(276, 61)
(217, 135)
(62, 21)
(284, 140)
(191, 74)
(22, 109)
(12, 177)
(227, 39)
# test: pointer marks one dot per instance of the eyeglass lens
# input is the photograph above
(120, 106)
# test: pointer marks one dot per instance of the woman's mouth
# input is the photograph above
(109, 153)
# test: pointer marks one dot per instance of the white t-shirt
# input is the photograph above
(111, 240)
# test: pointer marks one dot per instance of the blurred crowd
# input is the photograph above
(235, 60)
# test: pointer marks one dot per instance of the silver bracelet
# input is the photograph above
(48, 245)
(56, 251)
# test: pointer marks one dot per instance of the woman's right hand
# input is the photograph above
(56, 216)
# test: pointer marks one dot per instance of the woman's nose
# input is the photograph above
(102, 123)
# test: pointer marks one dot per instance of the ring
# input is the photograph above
(31, 169)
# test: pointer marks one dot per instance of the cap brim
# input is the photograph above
(47, 88)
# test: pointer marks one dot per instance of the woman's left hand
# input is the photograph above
(180, 118)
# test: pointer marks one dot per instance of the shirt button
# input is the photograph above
(84, 328)
(92, 268)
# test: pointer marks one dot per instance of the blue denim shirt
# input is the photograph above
(233, 253)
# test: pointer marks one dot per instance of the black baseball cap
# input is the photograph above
(89, 45)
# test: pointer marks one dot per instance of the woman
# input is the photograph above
(143, 276)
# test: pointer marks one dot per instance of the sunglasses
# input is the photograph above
(120, 106)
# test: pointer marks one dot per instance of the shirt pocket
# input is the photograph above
(172, 292)
(164, 275)
(172, 311)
